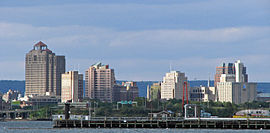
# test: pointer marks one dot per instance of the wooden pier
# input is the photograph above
(171, 122)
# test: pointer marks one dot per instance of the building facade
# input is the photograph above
(11, 95)
(153, 92)
(99, 82)
(233, 86)
(43, 71)
(203, 94)
(128, 91)
(172, 85)
(237, 69)
(72, 86)
(236, 92)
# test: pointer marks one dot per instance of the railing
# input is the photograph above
(81, 117)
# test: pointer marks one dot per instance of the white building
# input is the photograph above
(72, 86)
(172, 85)
(236, 92)
(234, 87)
(239, 74)
(227, 78)
(203, 94)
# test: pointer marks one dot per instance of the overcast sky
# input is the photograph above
(139, 38)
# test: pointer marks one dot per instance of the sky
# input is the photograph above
(139, 39)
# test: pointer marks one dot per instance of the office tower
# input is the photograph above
(238, 69)
(153, 91)
(99, 82)
(72, 86)
(223, 69)
(128, 91)
(240, 72)
(234, 87)
(236, 92)
(172, 85)
(43, 71)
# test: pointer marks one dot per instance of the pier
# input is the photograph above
(171, 122)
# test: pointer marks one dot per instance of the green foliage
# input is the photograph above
(144, 107)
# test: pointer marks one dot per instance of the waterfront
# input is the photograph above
(46, 127)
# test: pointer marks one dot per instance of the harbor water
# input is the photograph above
(46, 127)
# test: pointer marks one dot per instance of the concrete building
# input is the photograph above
(236, 92)
(153, 92)
(43, 71)
(203, 94)
(227, 78)
(39, 101)
(128, 91)
(172, 85)
(99, 82)
(72, 86)
(233, 85)
(11, 95)
(238, 69)
(240, 72)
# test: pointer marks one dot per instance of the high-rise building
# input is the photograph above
(172, 85)
(72, 86)
(233, 86)
(240, 72)
(43, 71)
(237, 69)
(128, 91)
(153, 92)
(99, 82)
(236, 92)
(223, 69)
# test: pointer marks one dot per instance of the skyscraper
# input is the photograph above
(240, 72)
(72, 86)
(238, 69)
(99, 82)
(172, 85)
(234, 87)
(43, 71)
(223, 69)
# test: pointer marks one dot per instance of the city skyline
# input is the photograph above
(139, 39)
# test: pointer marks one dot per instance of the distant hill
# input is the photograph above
(5, 85)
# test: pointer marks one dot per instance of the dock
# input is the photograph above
(169, 122)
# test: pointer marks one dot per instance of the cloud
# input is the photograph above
(141, 54)
(142, 15)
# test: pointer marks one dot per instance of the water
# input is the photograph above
(46, 127)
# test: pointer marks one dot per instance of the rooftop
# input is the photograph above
(40, 44)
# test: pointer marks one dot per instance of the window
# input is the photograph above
(35, 58)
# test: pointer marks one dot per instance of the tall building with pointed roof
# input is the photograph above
(43, 71)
